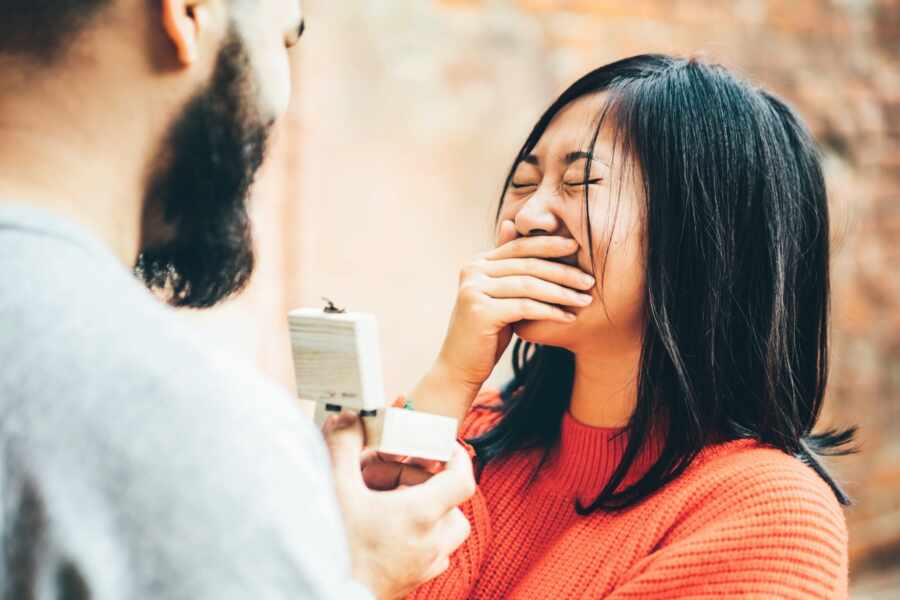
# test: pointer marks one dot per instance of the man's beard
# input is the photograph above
(199, 188)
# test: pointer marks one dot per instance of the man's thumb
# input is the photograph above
(344, 436)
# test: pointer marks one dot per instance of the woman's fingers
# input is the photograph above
(514, 310)
(566, 275)
(541, 246)
(506, 232)
(527, 286)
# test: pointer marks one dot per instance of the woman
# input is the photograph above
(663, 259)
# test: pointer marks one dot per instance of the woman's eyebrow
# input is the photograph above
(569, 158)
(582, 155)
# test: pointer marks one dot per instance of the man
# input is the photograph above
(135, 463)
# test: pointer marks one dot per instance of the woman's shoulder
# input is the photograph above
(485, 412)
(750, 518)
(751, 463)
(745, 479)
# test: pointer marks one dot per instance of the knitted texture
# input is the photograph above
(744, 520)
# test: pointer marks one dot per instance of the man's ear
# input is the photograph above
(183, 21)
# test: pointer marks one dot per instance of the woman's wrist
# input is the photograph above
(442, 391)
(448, 374)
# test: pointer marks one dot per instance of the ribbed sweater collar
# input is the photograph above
(586, 458)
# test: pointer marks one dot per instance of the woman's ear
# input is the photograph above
(184, 21)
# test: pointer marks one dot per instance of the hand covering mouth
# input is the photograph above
(571, 260)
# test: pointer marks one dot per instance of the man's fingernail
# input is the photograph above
(328, 424)
(344, 420)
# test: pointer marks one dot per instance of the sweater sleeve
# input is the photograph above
(773, 531)
(457, 581)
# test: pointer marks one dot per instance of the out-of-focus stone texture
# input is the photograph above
(407, 113)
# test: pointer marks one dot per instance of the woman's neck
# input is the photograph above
(604, 392)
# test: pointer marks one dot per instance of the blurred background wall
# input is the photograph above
(385, 176)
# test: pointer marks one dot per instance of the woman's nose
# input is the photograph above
(536, 218)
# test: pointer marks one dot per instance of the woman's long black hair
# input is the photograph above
(737, 286)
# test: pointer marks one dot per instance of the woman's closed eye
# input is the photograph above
(519, 185)
(582, 183)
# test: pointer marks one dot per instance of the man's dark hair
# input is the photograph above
(41, 29)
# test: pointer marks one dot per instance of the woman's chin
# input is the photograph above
(547, 333)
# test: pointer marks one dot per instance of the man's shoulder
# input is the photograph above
(80, 323)
(88, 353)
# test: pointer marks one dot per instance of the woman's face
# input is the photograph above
(546, 196)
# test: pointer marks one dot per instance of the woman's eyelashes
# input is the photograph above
(592, 181)
(523, 185)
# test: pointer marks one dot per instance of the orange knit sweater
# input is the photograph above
(743, 521)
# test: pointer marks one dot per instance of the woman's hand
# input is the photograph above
(512, 283)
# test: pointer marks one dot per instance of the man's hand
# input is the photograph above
(399, 539)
